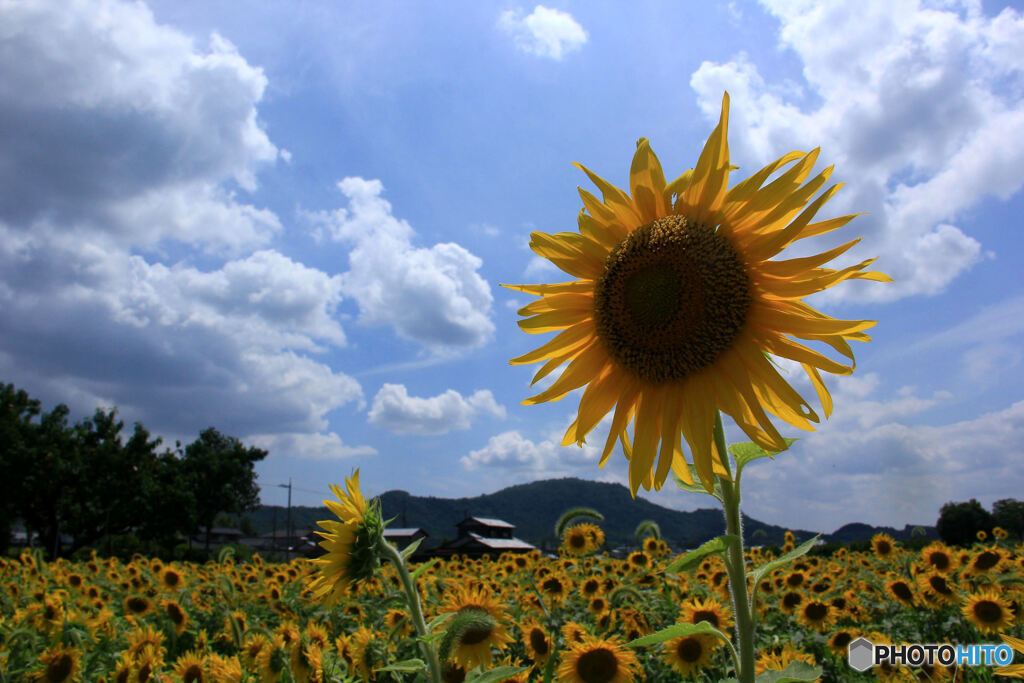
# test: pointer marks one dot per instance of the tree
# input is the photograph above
(1009, 514)
(221, 472)
(17, 434)
(959, 523)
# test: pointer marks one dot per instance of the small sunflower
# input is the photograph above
(985, 561)
(710, 610)
(61, 663)
(574, 633)
(688, 655)
(192, 667)
(676, 305)
(171, 579)
(537, 642)
(137, 605)
(816, 615)
(582, 539)
(982, 535)
(999, 533)
(555, 587)
(176, 613)
(988, 611)
(883, 545)
(900, 588)
(937, 556)
(598, 660)
(839, 641)
(937, 588)
(778, 658)
(350, 542)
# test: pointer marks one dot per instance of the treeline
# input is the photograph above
(961, 523)
(88, 483)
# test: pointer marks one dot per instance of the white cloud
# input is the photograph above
(309, 446)
(920, 109)
(431, 296)
(139, 143)
(393, 409)
(134, 131)
(544, 32)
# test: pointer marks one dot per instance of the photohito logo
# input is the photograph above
(863, 654)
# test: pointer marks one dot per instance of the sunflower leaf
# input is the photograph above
(696, 487)
(716, 546)
(674, 631)
(748, 451)
(422, 568)
(404, 666)
(498, 673)
(411, 548)
(796, 672)
(769, 567)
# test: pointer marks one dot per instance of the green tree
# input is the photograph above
(222, 473)
(17, 436)
(959, 523)
(1009, 514)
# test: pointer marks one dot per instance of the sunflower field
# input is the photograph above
(567, 618)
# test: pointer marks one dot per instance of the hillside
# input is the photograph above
(535, 507)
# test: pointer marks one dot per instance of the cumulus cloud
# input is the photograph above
(310, 446)
(544, 32)
(395, 410)
(511, 450)
(134, 131)
(433, 296)
(139, 145)
(879, 95)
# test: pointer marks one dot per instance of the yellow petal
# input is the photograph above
(615, 199)
(647, 183)
(705, 193)
(572, 338)
(557, 288)
(581, 370)
(555, 320)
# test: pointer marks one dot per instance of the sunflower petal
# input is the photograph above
(647, 183)
(585, 366)
(705, 193)
(557, 288)
(572, 338)
(615, 199)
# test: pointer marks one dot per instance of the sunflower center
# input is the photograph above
(672, 298)
(902, 591)
(597, 666)
(988, 612)
(60, 668)
(987, 560)
(816, 611)
(689, 650)
(539, 642)
(705, 615)
(939, 560)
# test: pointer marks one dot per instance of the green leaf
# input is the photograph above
(496, 674)
(796, 672)
(697, 487)
(405, 666)
(411, 548)
(674, 631)
(747, 451)
(422, 568)
(438, 620)
(769, 567)
(716, 546)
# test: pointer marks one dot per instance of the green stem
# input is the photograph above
(415, 611)
(735, 564)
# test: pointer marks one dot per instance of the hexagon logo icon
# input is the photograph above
(861, 654)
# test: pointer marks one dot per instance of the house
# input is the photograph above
(401, 537)
(480, 535)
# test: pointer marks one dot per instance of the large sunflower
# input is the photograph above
(350, 541)
(676, 306)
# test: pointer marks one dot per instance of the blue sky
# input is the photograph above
(289, 221)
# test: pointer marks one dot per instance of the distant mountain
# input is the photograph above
(534, 508)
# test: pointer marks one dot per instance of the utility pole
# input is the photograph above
(288, 547)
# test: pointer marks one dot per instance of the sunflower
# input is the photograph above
(171, 579)
(272, 660)
(598, 660)
(937, 588)
(938, 557)
(351, 543)
(60, 663)
(676, 305)
(576, 540)
(176, 613)
(192, 667)
(816, 614)
(982, 535)
(574, 633)
(537, 642)
(839, 641)
(137, 605)
(689, 654)
(988, 611)
(901, 590)
(555, 587)
(710, 610)
(778, 658)
(883, 545)
(790, 601)
(986, 561)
